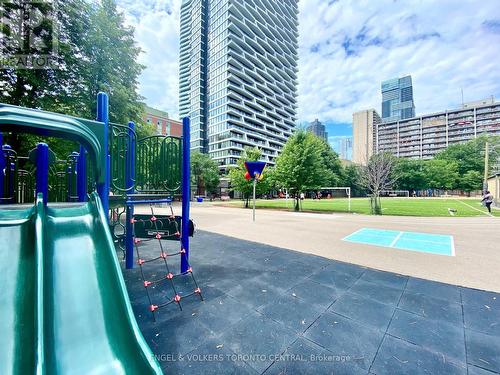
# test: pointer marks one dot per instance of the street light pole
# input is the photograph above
(486, 162)
(254, 184)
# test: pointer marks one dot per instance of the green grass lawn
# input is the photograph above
(390, 206)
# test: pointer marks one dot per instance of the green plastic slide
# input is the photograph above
(64, 308)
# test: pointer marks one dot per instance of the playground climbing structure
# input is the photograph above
(161, 229)
(65, 253)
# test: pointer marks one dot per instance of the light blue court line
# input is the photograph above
(439, 244)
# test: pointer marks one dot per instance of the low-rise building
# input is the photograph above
(494, 187)
(164, 124)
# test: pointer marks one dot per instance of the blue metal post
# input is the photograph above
(130, 180)
(8, 170)
(103, 116)
(2, 167)
(69, 172)
(42, 170)
(81, 175)
(12, 179)
(186, 191)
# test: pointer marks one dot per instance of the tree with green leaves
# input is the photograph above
(333, 167)
(300, 166)
(471, 181)
(411, 174)
(205, 173)
(237, 176)
(469, 156)
(352, 178)
(97, 52)
(441, 174)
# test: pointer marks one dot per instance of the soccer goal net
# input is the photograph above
(336, 193)
(395, 193)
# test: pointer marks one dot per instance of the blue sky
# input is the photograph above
(347, 47)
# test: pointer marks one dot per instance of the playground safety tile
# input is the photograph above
(333, 278)
(259, 339)
(389, 279)
(306, 358)
(474, 297)
(432, 308)
(254, 293)
(314, 294)
(292, 312)
(351, 269)
(474, 370)
(282, 279)
(210, 358)
(343, 336)
(363, 310)
(481, 311)
(483, 350)
(434, 289)
(397, 356)
(300, 269)
(437, 336)
(315, 262)
(175, 336)
(377, 292)
(224, 306)
(483, 318)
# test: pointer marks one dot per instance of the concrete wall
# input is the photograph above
(494, 188)
(362, 136)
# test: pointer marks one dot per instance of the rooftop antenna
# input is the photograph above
(462, 89)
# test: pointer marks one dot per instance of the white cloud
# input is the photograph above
(347, 49)
(445, 46)
(157, 31)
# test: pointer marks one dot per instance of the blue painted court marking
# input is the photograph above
(439, 244)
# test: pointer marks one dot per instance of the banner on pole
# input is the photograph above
(255, 168)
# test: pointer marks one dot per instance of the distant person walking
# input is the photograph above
(487, 200)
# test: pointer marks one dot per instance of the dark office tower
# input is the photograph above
(397, 99)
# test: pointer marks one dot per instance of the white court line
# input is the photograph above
(452, 246)
(396, 239)
(352, 234)
(477, 209)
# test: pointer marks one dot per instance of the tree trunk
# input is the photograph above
(376, 207)
(297, 204)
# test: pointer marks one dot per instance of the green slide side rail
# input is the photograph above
(18, 295)
(65, 308)
(88, 133)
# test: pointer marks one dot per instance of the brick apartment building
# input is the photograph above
(164, 124)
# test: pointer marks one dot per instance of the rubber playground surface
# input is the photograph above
(269, 310)
(423, 242)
